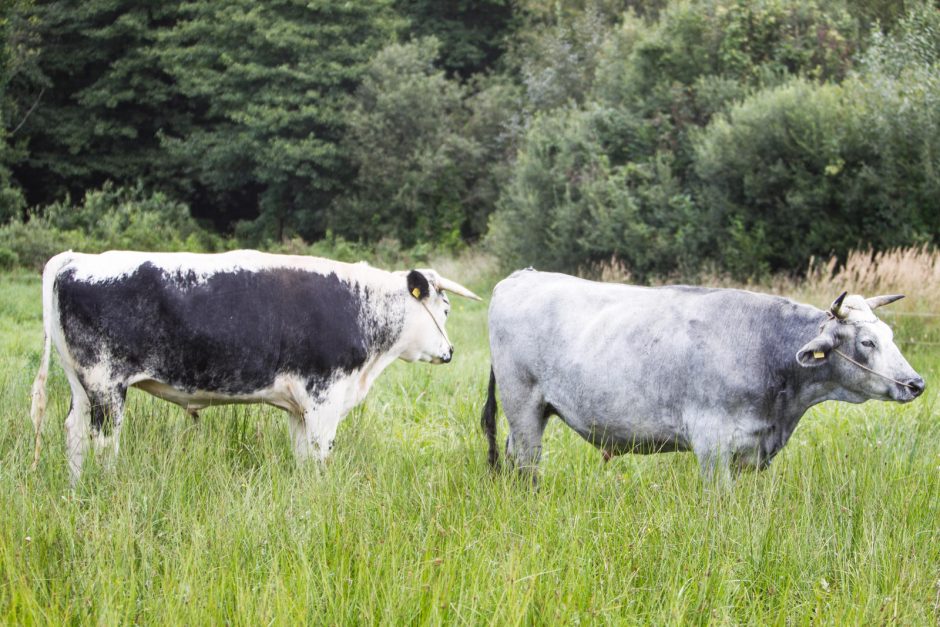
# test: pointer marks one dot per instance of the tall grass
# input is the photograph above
(212, 521)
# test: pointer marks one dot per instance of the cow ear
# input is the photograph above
(816, 352)
(418, 285)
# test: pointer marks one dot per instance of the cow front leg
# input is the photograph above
(320, 422)
(298, 437)
(713, 449)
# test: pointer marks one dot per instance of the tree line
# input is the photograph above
(665, 134)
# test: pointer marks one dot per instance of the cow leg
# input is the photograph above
(321, 430)
(313, 431)
(298, 437)
(107, 416)
(525, 412)
(713, 449)
(76, 428)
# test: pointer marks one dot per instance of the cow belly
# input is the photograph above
(617, 422)
(626, 438)
(283, 394)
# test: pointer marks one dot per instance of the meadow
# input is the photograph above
(211, 521)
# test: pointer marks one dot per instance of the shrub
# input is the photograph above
(673, 75)
(414, 165)
(8, 259)
(567, 208)
(108, 218)
(807, 169)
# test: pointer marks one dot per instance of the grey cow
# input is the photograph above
(724, 373)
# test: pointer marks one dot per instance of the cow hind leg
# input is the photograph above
(107, 416)
(525, 412)
(77, 429)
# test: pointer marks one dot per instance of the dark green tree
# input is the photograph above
(425, 151)
(18, 51)
(100, 97)
(266, 87)
(473, 33)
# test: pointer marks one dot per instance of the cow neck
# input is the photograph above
(808, 386)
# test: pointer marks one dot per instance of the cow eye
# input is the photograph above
(868, 344)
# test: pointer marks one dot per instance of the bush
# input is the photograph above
(810, 169)
(567, 208)
(108, 218)
(8, 259)
(673, 75)
(414, 165)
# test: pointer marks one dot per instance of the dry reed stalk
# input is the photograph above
(913, 271)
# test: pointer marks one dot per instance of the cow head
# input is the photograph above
(426, 313)
(861, 351)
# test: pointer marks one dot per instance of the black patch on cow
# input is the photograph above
(106, 408)
(419, 282)
(232, 333)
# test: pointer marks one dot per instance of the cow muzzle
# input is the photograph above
(911, 389)
(444, 358)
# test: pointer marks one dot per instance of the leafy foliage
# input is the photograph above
(17, 55)
(809, 169)
(567, 206)
(266, 85)
(422, 148)
(100, 97)
(665, 135)
(473, 33)
(108, 218)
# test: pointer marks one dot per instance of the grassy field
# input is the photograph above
(211, 521)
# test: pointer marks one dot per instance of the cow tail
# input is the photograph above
(488, 422)
(38, 409)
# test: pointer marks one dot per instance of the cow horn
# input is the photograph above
(878, 301)
(836, 307)
(446, 285)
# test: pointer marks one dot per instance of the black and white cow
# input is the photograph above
(304, 334)
(724, 373)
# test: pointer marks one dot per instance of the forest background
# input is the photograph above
(666, 137)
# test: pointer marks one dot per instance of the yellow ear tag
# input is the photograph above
(819, 354)
(416, 292)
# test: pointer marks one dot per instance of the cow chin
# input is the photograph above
(424, 358)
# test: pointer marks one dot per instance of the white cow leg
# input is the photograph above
(313, 431)
(323, 421)
(76, 430)
(303, 451)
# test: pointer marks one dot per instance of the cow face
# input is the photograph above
(427, 308)
(861, 351)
